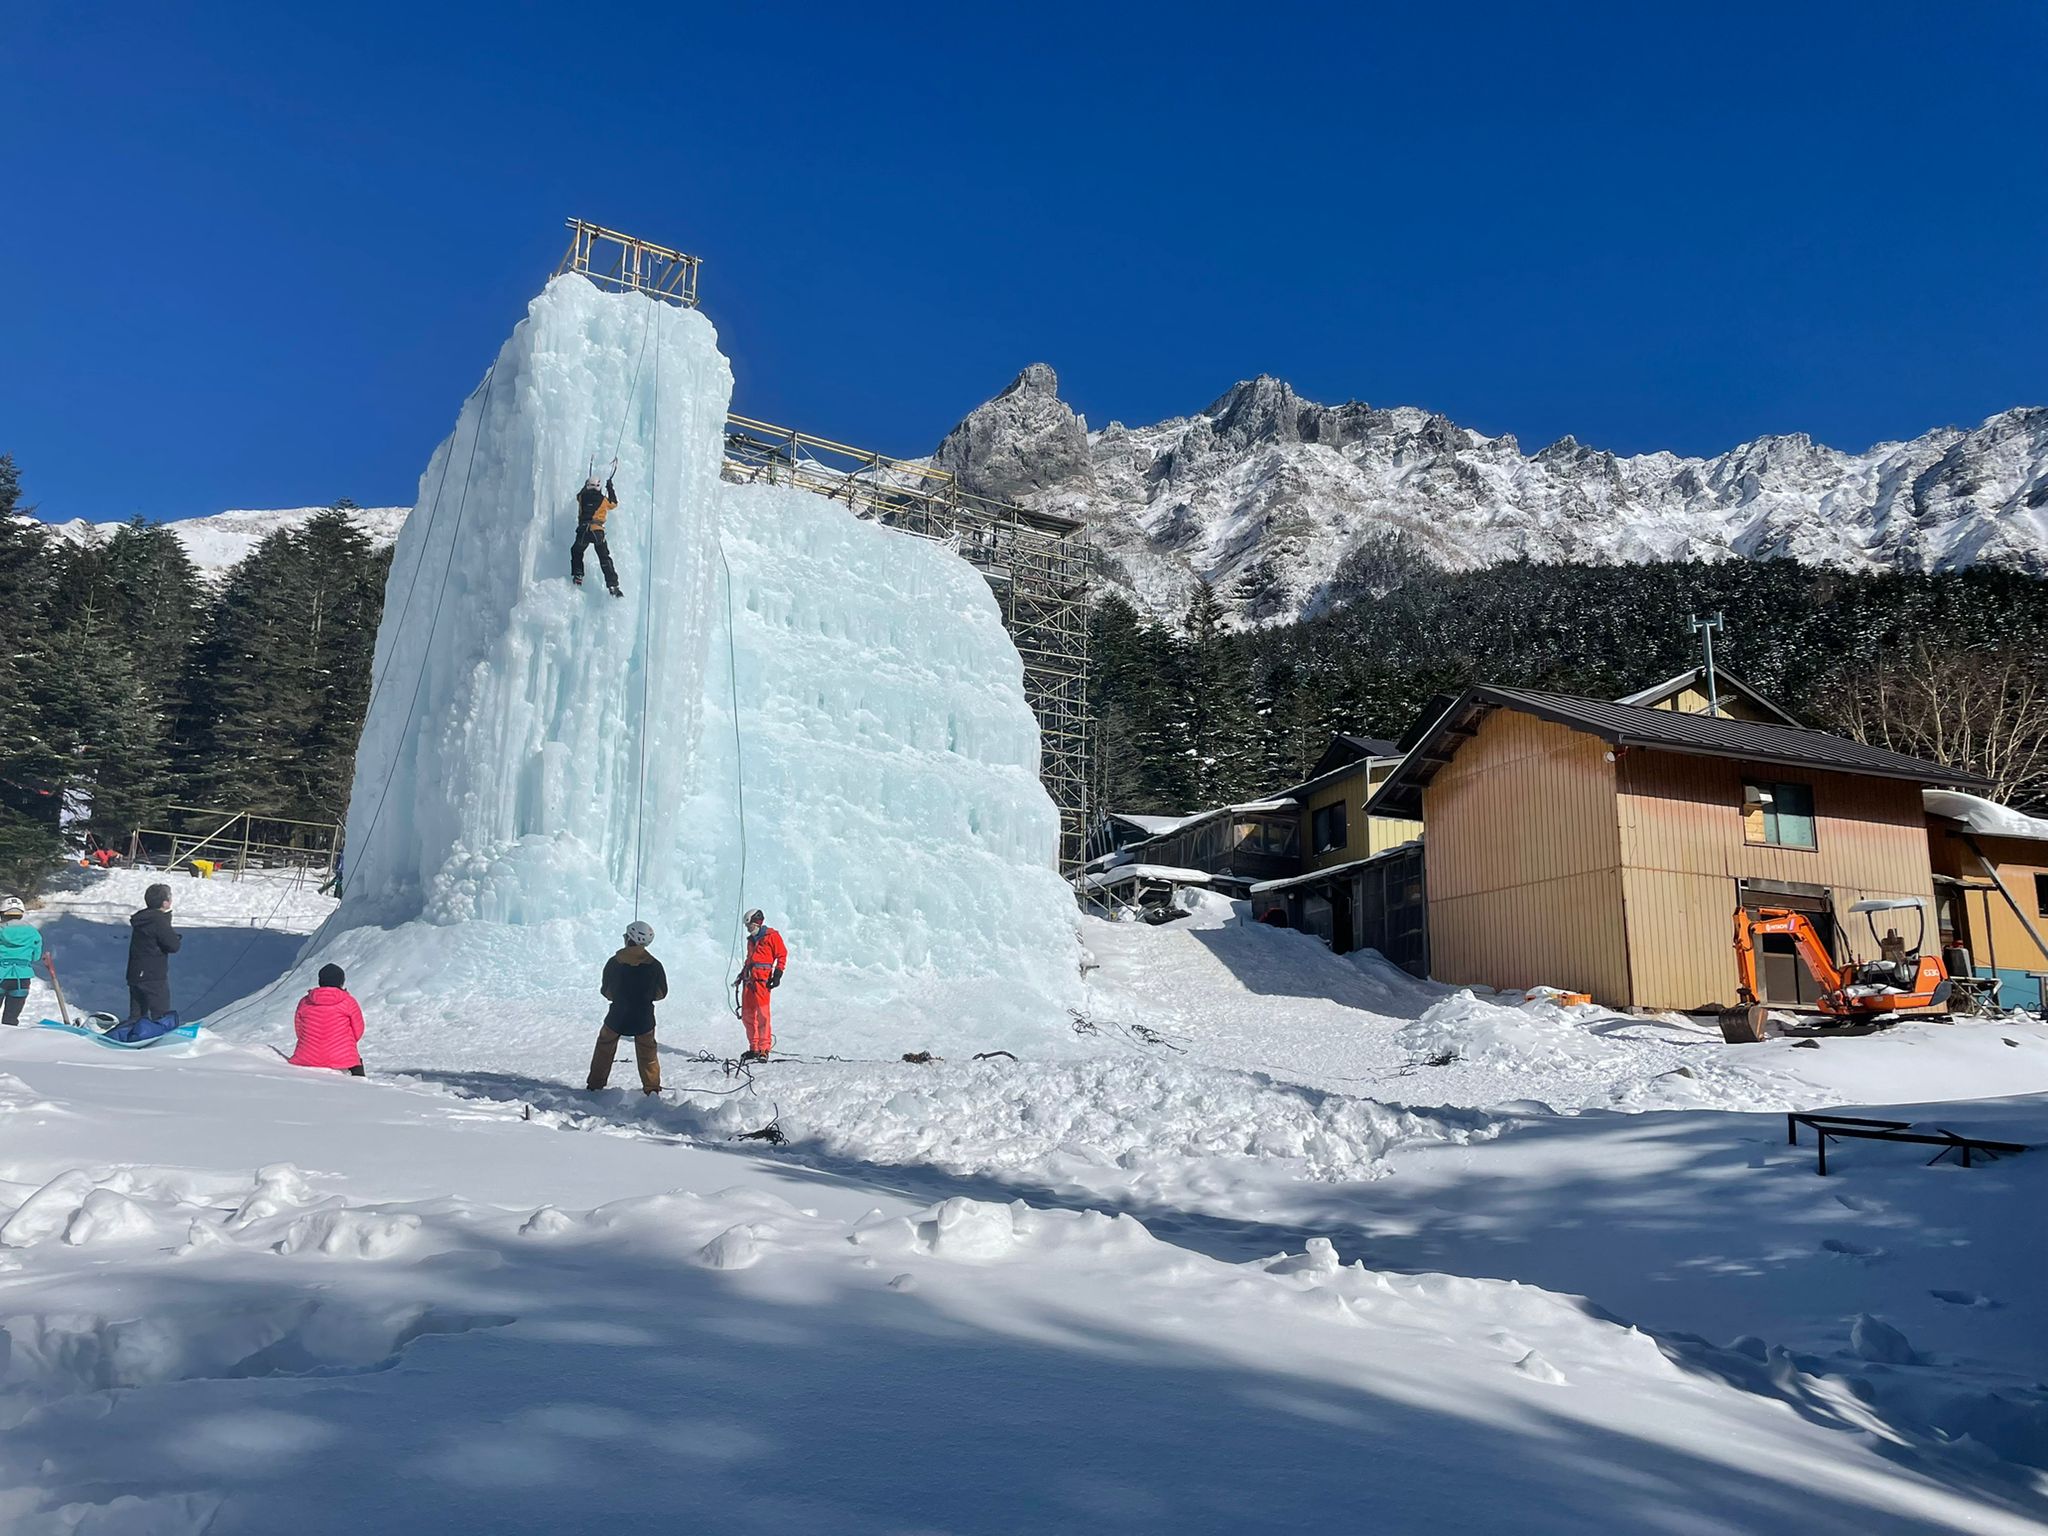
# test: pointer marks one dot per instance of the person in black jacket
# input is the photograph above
(633, 983)
(593, 504)
(151, 942)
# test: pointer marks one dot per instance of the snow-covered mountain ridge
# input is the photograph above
(1263, 494)
(215, 543)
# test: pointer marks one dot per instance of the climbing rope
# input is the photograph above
(646, 605)
(440, 598)
(230, 968)
(412, 705)
(426, 543)
(633, 389)
(739, 771)
(376, 687)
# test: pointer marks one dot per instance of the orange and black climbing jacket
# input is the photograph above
(592, 505)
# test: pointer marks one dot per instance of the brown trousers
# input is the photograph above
(607, 1053)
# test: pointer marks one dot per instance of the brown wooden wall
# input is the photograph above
(1682, 851)
(1523, 858)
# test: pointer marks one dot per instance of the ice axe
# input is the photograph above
(63, 1008)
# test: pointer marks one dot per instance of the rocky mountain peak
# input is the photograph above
(1260, 410)
(1026, 440)
(1263, 495)
(1037, 379)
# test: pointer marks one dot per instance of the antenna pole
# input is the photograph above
(1709, 628)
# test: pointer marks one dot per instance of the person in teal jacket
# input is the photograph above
(21, 948)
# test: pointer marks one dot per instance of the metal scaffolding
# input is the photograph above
(629, 264)
(1038, 570)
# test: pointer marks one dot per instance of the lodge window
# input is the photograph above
(1274, 837)
(1778, 815)
(2041, 894)
(1329, 828)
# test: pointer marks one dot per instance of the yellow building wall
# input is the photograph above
(1682, 851)
(1997, 938)
(1523, 862)
(1364, 835)
(1693, 701)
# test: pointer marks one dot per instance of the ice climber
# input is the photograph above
(329, 1024)
(151, 943)
(593, 504)
(21, 948)
(767, 956)
(633, 983)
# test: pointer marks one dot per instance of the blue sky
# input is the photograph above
(257, 254)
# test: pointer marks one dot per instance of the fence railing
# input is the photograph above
(629, 264)
(236, 841)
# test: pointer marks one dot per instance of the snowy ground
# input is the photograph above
(1578, 1283)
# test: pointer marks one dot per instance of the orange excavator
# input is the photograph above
(1900, 977)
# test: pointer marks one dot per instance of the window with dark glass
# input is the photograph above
(1329, 828)
(1778, 815)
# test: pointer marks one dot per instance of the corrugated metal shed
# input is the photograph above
(1635, 725)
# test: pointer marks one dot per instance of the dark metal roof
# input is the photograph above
(1638, 725)
(1350, 749)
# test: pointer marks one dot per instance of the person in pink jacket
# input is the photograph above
(329, 1023)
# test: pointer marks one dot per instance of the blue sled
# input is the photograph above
(182, 1032)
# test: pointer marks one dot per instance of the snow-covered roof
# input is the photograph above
(1162, 826)
(1265, 886)
(1985, 816)
(1124, 872)
(1155, 825)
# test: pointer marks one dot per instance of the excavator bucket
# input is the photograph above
(1744, 1025)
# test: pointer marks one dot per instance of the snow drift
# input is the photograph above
(540, 762)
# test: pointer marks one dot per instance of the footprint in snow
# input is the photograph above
(1843, 1248)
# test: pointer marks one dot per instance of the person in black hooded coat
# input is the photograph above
(151, 943)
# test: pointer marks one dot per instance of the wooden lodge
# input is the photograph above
(1603, 847)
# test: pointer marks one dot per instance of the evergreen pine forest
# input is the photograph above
(130, 682)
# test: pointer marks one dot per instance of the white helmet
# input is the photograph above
(640, 934)
(756, 916)
(11, 906)
(593, 484)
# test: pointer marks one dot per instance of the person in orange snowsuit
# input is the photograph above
(761, 974)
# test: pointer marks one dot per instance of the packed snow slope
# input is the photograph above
(788, 708)
(1197, 1279)
(1261, 494)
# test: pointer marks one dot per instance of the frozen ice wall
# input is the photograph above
(499, 773)
(874, 788)
(895, 828)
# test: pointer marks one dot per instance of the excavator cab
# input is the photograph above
(1899, 969)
